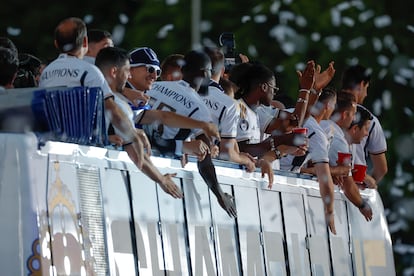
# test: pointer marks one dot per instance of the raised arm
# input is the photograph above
(306, 82)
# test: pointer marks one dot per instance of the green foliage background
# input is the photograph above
(308, 28)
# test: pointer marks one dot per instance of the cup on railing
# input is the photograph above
(344, 158)
(358, 173)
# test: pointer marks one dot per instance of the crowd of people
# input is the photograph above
(193, 104)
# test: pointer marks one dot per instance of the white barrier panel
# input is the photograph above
(76, 210)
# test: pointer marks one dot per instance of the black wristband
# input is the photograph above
(363, 204)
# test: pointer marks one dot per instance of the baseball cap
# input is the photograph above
(144, 56)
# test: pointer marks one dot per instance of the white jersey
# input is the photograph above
(89, 59)
(318, 148)
(375, 143)
(248, 127)
(223, 110)
(266, 115)
(71, 71)
(178, 97)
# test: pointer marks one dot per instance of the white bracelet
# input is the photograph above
(304, 90)
(313, 91)
(302, 100)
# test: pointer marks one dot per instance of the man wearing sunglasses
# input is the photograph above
(145, 68)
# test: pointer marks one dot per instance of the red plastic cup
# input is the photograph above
(344, 158)
(358, 173)
(300, 130)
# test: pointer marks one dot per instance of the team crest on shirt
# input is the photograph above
(244, 124)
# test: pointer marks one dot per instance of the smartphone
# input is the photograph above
(228, 45)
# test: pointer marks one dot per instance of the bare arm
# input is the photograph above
(340, 170)
(306, 81)
(351, 191)
(258, 149)
(173, 119)
(229, 150)
(208, 173)
(380, 167)
(287, 139)
(135, 96)
(322, 79)
(165, 181)
(326, 189)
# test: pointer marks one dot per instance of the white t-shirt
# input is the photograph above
(71, 71)
(375, 143)
(339, 144)
(223, 110)
(178, 97)
(248, 126)
(318, 147)
(318, 143)
(329, 127)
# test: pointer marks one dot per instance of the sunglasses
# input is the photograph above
(150, 69)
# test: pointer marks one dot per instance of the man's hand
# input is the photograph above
(366, 211)
(342, 170)
(370, 182)
(293, 150)
(338, 180)
(249, 162)
(115, 140)
(266, 168)
(135, 96)
(287, 120)
(244, 58)
(226, 202)
(290, 139)
(324, 78)
(307, 77)
(169, 186)
(214, 151)
(197, 148)
(211, 131)
(329, 217)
